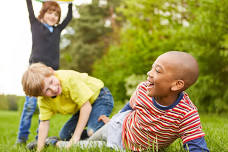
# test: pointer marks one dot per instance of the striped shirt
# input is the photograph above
(150, 125)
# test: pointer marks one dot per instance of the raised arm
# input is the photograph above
(42, 135)
(32, 17)
(84, 114)
(67, 19)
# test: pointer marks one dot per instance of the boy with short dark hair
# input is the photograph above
(159, 111)
(67, 92)
(162, 111)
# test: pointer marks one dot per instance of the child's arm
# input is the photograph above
(42, 134)
(67, 19)
(196, 145)
(85, 111)
(191, 132)
(32, 17)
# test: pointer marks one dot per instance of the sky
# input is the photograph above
(16, 43)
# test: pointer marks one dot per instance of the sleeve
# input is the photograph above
(196, 145)
(126, 108)
(45, 111)
(80, 93)
(190, 127)
(32, 17)
(67, 19)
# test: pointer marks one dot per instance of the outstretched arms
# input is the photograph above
(67, 19)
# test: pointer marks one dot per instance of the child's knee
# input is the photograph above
(90, 132)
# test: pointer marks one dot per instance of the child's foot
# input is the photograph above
(20, 142)
(51, 141)
(32, 145)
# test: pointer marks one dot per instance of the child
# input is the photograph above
(159, 111)
(45, 48)
(67, 92)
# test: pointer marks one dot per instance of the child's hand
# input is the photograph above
(104, 118)
(71, 143)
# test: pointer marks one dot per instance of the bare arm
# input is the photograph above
(84, 114)
(42, 135)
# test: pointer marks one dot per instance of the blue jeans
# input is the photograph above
(103, 105)
(26, 118)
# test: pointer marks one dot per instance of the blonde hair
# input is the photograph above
(33, 79)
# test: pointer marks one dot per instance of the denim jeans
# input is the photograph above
(103, 105)
(26, 118)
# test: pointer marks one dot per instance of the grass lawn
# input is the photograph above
(215, 127)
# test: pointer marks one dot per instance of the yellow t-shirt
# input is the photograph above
(77, 88)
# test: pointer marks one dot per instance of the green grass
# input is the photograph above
(215, 127)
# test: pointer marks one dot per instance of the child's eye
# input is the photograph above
(157, 70)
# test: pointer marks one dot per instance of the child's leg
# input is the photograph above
(26, 117)
(111, 132)
(100, 134)
(114, 130)
(102, 106)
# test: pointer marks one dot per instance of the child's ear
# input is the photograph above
(177, 85)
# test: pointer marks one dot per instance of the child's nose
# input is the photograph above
(149, 73)
(53, 88)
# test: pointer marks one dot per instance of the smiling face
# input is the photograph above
(52, 86)
(161, 78)
(50, 17)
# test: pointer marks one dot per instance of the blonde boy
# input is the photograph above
(67, 92)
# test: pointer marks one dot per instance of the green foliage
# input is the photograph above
(9, 102)
(88, 36)
(206, 39)
(153, 27)
(132, 82)
(142, 39)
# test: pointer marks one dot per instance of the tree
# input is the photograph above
(153, 27)
(88, 36)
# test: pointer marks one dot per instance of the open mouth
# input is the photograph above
(149, 84)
